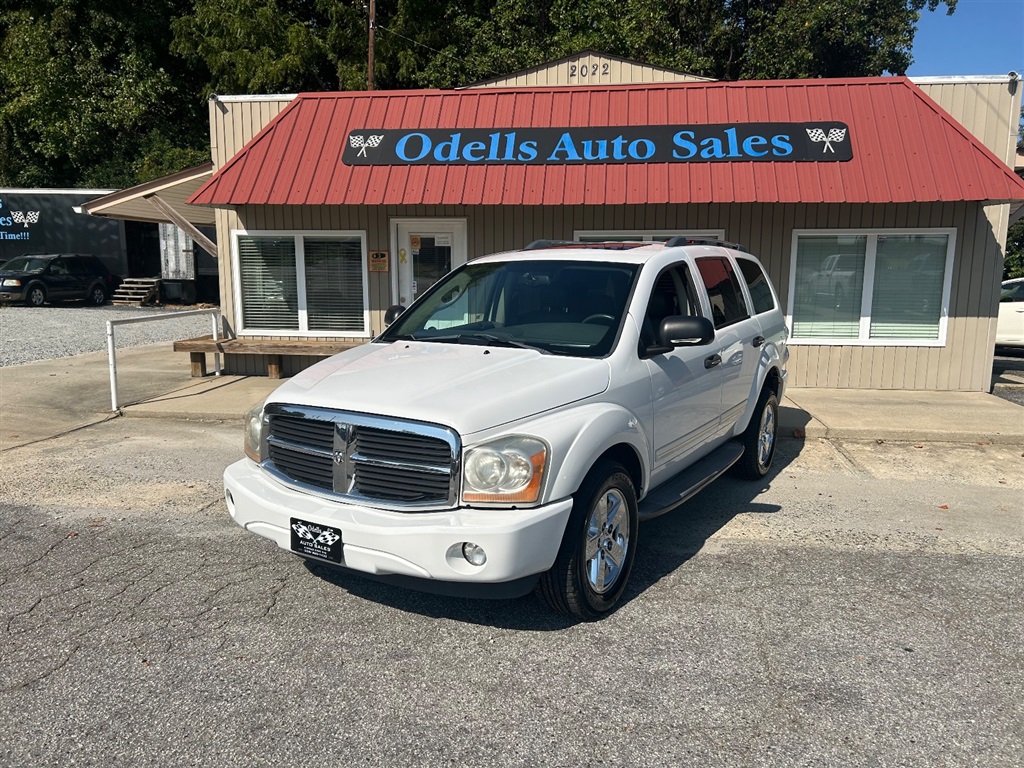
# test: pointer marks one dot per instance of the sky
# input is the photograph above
(982, 37)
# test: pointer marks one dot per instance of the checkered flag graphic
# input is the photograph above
(302, 531)
(31, 217)
(362, 143)
(327, 538)
(817, 135)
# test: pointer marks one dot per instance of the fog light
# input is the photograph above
(474, 553)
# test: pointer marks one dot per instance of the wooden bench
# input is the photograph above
(272, 348)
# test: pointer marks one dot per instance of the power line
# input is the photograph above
(424, 45)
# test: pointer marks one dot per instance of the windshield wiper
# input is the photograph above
(482, 338)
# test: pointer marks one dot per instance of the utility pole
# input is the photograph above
(373, 27)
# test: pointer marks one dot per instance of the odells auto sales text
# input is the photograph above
(508, 147)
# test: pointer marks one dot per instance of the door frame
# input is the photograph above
(460, 245)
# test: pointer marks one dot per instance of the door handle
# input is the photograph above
(758, 341)
(711, 362)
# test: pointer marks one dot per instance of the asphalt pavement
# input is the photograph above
(862, 605)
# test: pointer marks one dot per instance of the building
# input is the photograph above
(880, 217)
(44, 221)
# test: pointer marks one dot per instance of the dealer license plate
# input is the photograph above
(314, 540)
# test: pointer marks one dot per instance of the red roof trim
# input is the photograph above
(295, 159)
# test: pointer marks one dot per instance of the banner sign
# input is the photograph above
(736, 142)
(15, 225)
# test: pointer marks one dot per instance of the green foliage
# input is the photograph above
(88, 90)
(1013, 265)
(113, 92)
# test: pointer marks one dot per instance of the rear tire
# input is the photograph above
(97, 296)
(759, 438)
(598, 548)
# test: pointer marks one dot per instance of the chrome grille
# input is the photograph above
(384, 462)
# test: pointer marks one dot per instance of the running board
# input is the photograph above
(690, 481)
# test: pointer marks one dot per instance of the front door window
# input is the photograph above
(427, 251)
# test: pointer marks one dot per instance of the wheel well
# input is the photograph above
(773, 381)
(627, 457)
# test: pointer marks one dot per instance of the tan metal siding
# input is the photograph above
(234, 123)
(964, 363)
(988, 110)
(602, 70)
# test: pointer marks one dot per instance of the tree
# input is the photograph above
(1013, 265)
(723, 39)
(98, 93)
(90, 95)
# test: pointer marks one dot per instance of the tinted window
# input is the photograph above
(1012, 293)
(77, 265)
(58, 267)
(760, 291)
(670, 296)
(85, 265)
(727, 305)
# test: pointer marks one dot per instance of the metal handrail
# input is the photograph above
(112, 350)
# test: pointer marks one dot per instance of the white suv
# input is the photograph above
(512, 427)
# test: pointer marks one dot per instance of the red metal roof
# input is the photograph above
(905, 148)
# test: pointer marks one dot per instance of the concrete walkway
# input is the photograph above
(52, 397)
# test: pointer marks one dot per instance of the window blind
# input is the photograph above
(334, 284)
(270, 299)
(907, 298)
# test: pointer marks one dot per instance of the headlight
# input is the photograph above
(12, 283)
(254, 432)
(507, 470)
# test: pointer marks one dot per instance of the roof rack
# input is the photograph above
(681, 240)
(612, 245)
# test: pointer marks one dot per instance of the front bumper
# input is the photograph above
(419, 545)
(12, 294)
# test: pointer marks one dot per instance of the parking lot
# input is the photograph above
(861, 607)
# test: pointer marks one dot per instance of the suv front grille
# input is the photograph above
(369, 459)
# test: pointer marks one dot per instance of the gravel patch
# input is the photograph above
(46, 333)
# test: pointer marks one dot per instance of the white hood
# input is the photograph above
(466, 387)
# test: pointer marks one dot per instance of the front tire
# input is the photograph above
(598, 548)
(36, 296)
(759, 438)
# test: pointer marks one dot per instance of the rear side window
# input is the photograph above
(727, 304)
(760, 291)
(86, 265)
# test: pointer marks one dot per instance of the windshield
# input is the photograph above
(25, 264)
(571, 308)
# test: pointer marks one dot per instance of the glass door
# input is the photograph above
(426, 250)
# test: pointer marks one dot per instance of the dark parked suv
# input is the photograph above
(37, 278)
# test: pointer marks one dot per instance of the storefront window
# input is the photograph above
(302, 283)
(270, 296)
(829, 287)
(869, 288)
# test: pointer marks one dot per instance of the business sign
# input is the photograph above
(735, 142)
(15, 225)
(378, 261)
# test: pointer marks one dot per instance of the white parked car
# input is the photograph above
(1010, 325)
(512, 427)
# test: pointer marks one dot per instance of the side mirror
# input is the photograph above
(392, 313)
(685, 331)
